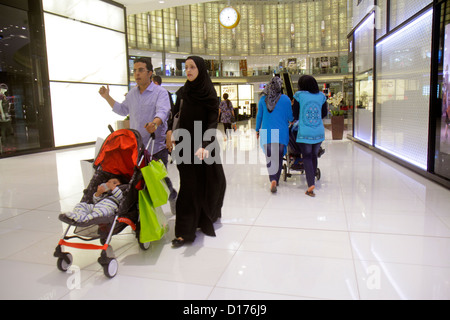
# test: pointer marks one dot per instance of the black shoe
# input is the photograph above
(321, 152)
(176, 243)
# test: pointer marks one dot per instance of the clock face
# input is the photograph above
(229, 17)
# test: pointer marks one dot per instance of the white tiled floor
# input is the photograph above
(374, 231)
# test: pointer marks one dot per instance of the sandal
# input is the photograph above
(310, 193)
(273, 186)
(178, 242)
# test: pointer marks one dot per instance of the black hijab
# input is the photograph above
(308, 83)
(200, 101)
(201, 90)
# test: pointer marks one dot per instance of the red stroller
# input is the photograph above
(122, 154)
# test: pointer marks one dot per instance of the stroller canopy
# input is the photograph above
(120, 152)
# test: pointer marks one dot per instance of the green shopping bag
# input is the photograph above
(154, 175)
(153, 221)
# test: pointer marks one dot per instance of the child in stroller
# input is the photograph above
(105, 202)
(119, 162)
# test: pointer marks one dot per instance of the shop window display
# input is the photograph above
(18, 110)
(442, 159)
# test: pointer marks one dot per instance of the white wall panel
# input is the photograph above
(80, 114)
(80, 52)
(95, 12)
(86, 48)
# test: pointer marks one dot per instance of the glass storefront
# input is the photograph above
(363, 114)
(48, 82)
(401, 81)
(241, 96)
(25, 121)
(442, 155)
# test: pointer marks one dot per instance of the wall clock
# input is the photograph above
(229, 17)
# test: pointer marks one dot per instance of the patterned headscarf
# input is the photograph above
(273, 92)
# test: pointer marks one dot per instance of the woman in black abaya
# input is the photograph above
(202, 181)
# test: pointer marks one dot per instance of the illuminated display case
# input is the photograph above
(402, 119)
(400, 69)
(442, 119)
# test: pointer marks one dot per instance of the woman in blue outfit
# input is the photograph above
(274, 115)
(313, 108)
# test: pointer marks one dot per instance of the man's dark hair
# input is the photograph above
(147, 61)
(157, 79)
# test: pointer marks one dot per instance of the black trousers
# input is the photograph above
(227, 128)
(274, 156)
(310, 154)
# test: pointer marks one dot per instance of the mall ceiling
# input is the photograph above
(139, 6)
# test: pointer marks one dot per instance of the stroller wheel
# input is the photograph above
(64, 262)
(110, 269)
(145, 246)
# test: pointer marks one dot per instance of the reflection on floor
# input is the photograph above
(375, 230)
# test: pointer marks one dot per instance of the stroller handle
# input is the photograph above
(152, 139)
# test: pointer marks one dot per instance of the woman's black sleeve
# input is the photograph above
(296, 110)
